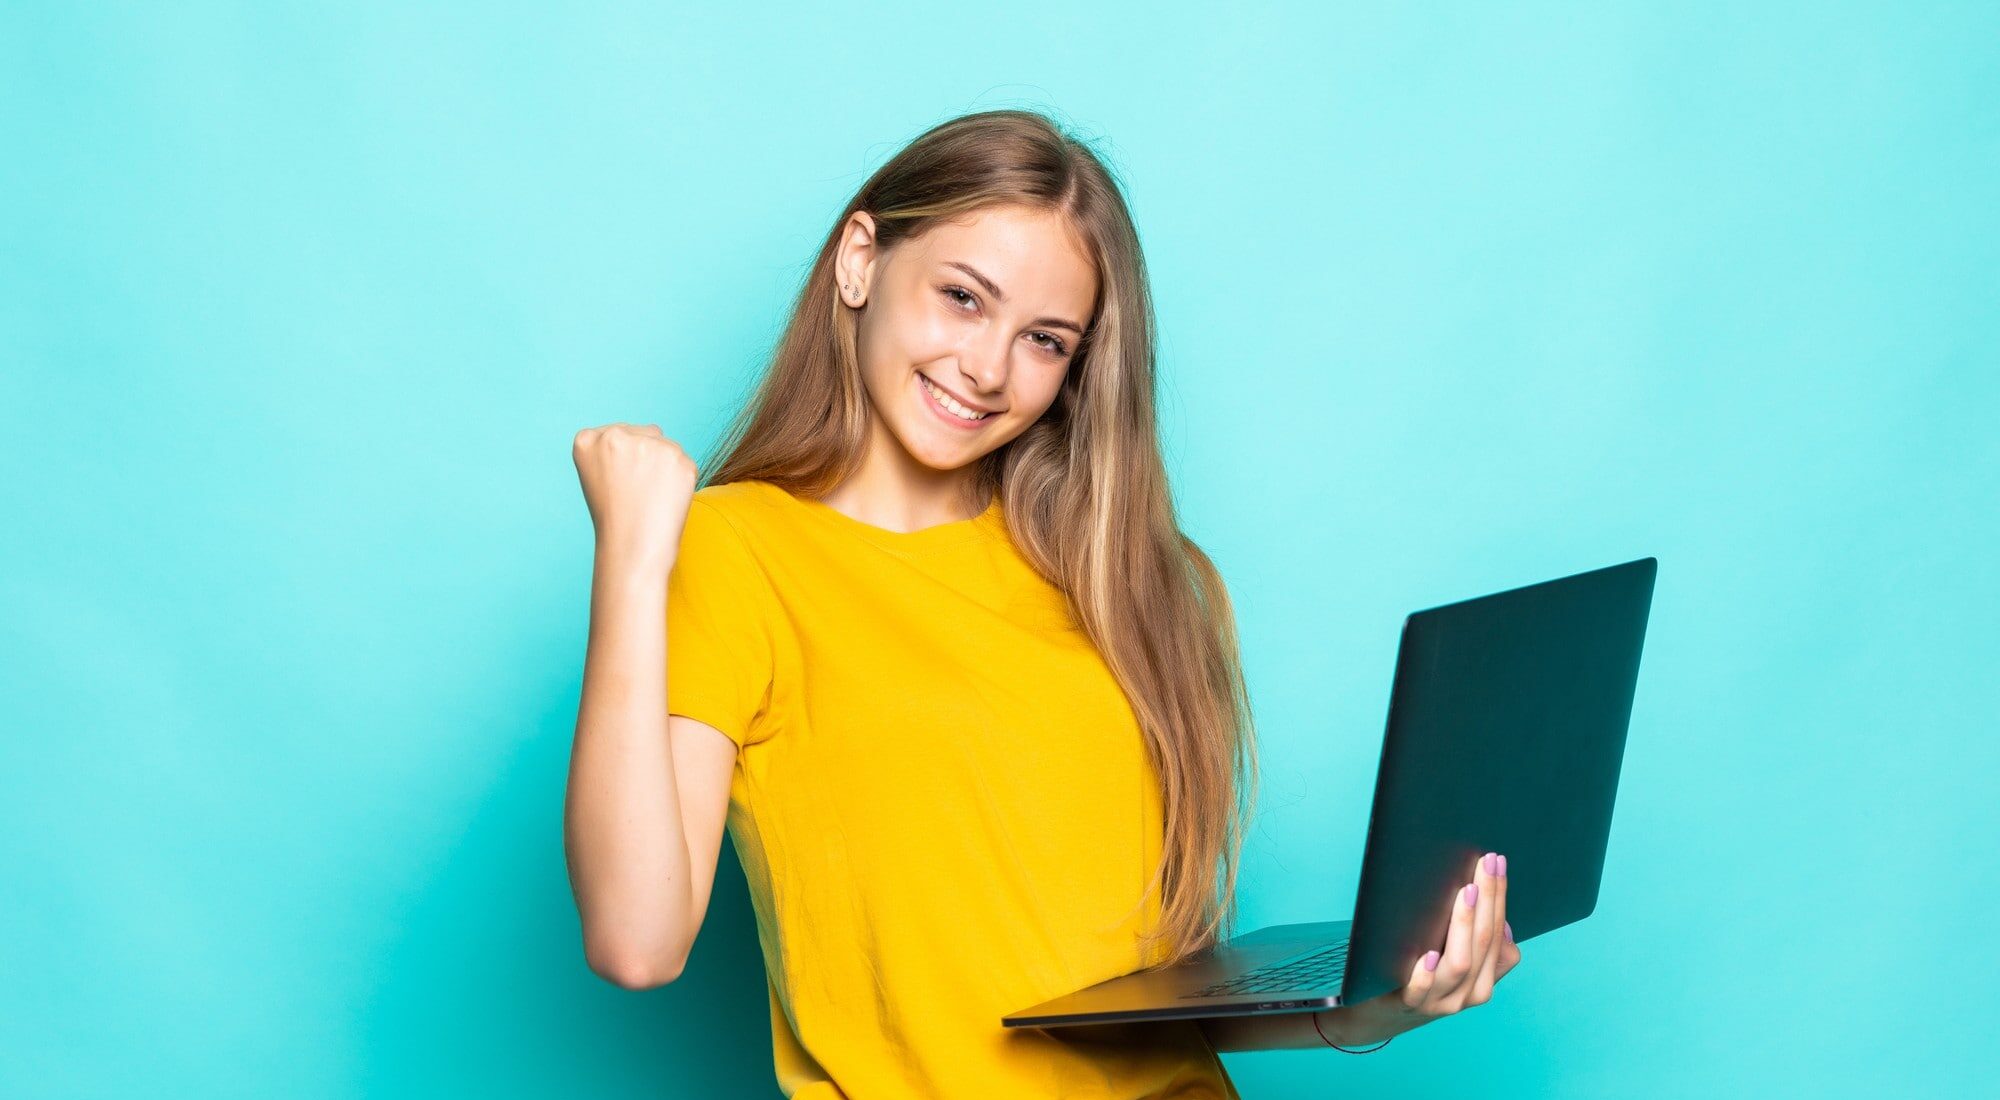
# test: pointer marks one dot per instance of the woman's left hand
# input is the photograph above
(1479, 950)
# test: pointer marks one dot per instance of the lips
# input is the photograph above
(954, 396)
(938, 410)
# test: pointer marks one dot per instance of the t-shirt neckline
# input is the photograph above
(937, 534)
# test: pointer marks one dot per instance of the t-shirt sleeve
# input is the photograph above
(719, 627)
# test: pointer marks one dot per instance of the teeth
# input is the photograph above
(945, 399)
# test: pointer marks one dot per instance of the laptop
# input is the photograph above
(1507, 722)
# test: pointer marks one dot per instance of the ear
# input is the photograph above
(855, 260)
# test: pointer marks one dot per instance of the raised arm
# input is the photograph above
(647, 799)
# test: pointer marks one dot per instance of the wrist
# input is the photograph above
(1336, 1026)
(1367, 1023)
(625, 572)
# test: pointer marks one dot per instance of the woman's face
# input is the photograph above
(966, 332)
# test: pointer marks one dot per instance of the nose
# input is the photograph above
(984, 361)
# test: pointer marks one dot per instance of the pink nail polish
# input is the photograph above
(1503, 866)
(1487, 861)
(1431, 961)
(1509, 926)
(1471, 894)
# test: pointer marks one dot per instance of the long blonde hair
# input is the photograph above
(1085, 490)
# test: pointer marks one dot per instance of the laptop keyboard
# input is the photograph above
(1316, 969)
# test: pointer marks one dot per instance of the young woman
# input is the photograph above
(938, 656)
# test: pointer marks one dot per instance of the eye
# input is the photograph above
(1055, 346)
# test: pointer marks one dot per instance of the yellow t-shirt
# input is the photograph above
(942, 802)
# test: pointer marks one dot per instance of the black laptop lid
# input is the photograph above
(1506, 729)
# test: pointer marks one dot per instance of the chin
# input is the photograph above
(946, 464)
(940, 459)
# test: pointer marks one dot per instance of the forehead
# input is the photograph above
(1034, 255)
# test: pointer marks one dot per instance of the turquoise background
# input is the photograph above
(301, 306)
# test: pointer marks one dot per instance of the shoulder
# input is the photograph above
(737, 504)
(743, 515)
(720, 549)
(733, 496)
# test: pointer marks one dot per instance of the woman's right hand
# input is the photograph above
(638, 485)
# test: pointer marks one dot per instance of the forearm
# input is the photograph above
(625, 841)
(1283, 1031)
(1365, 1024)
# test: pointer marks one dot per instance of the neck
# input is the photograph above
(891, 489)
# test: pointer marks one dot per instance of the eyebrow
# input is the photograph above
(1001, 296)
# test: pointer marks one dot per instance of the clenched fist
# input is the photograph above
(638, 485)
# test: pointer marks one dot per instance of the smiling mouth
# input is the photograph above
(950, 404)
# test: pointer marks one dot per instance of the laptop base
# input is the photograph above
(1166, 994)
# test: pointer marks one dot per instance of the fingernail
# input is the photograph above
(1491, 863)
(1509, 926)
(1503, 866)
(1431, 961)
(1471, 894)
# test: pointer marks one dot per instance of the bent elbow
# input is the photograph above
(633, 970)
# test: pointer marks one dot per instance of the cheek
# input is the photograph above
(1042, 388)
(923, 335)
(882, 360)
(892, 343)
